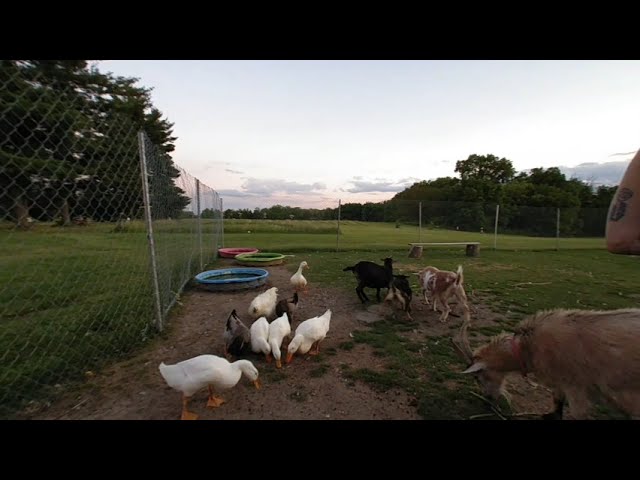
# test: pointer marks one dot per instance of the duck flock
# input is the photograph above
(272, 321)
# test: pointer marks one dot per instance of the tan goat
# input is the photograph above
(576, 353)
(443, 286)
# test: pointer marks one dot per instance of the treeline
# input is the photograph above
(68, 144)
(528, 202)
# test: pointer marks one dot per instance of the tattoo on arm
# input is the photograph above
(619, 208)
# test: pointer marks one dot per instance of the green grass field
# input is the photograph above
(280, 235)
(72, 299)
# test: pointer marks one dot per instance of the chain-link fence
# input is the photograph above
(182, 242)
(513, 226)
(505, 226)
(78, 285)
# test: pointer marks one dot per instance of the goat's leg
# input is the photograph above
(459, 302)
(407, 310)
(406, 304)
(378, 294)
(461, 298)
(578, 402)
(559, 400)
(445, 311)
(426, 300)
(366, 297)
(361, 295)
(558, 404)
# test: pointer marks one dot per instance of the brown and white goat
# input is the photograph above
(576, 353)
(443, 286)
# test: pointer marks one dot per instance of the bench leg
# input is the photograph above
(473, 250)
(415, 252)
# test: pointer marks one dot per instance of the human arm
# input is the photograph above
(623, 219)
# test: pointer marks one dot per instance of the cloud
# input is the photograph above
(257, 186)
(608, 173)
(212, 164)
(360, 186)
(233, 171)
(263, 193)
(235, 193)
(622, 154)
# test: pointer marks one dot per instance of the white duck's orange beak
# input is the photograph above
(256, 382)
(289, 357)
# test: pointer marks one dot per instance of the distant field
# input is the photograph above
(71, 299)
(321, 235)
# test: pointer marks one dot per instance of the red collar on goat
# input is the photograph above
(516, 350)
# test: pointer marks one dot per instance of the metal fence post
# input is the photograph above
(149, 224)
(338, 230)
(221, 223)
(420, 222)
(199, 220)
(495, 228)
(558, 229)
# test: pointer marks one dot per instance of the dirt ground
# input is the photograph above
(309, 388)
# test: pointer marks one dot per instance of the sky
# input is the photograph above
(308, 133)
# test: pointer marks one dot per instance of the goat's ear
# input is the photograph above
(476, 367)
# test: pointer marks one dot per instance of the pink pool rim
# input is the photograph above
(232, 252)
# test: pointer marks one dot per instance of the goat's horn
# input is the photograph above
(464, 349)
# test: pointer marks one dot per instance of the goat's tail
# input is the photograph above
(459, 276)
(347, 269)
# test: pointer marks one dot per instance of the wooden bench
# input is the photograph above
(473, 248)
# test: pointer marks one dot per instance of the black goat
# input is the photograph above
(400, 290)
(372, 275)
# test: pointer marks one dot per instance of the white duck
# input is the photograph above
(278, 329)
(310, 332)
(192, 375)
(297, 279)
(260, 337)
(264, 305)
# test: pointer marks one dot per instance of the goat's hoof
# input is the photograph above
(552, 416)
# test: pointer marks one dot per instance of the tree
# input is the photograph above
(68, 142)
(40, 116)
(487, 168)
(552, 177)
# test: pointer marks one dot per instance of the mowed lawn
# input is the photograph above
(73, 299)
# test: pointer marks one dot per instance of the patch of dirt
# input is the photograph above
(311, 388)
(307, 388)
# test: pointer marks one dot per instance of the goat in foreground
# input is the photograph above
(371, 275)
(443, 285)
(576, 353)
